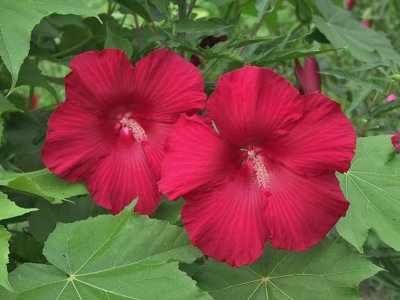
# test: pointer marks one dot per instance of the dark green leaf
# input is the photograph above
(169, 210)
(43, 221)
(115, 41)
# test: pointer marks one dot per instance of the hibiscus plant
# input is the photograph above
(183, 149)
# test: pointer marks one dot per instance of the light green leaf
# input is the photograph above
(110, 257)
(4, 251)
(17, 20)
(42, 183)
(115, 41)
(9, 209)
(372, 185)
(327, 271)
(343, 31)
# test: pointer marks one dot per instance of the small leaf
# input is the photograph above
(115, 41)
(372, 185)
(111, 257)
(327, 271)
(42, 183)
(4, 251)
(9, 209)
(169, 210)
(31, 75)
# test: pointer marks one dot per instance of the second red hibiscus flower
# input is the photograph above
(269, 174)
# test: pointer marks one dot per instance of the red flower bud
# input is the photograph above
(349, 4)
(308, 76)
(396, 142)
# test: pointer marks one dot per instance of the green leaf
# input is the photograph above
(211, 26)
(115, 41)
(24, 136)
(44, 220)
(372, 185)
(9, 209)
(31, 75)
(42, 183)
(343, 31)
(5, 106)
(4, 251)
(110, 257)
(169, 210)
(327, 271)
(17, 20)
(137, 7)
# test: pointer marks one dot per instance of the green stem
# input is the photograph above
(191, 6)
(73, 48)
(138, 31)
(28, 102)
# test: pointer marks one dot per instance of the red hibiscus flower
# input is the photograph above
(269, 174)
(110, 131)
(308, 77)
(396, 141)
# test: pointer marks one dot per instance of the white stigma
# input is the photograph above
(259, 168)
(137, 131)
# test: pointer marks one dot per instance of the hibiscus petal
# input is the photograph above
(101, 80)
(123, 176)
(323, 139)
(167, 85)
(75, 142)
(157, 134)
(227, 223)
(301, 210)
(252, 104)
(196, 159)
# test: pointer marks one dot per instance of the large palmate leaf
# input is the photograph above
(110, 257)
(17, 20)
(42, 183)
(372, 185)
(327, 271)
(343, 31)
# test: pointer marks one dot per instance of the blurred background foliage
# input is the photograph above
(359, 68)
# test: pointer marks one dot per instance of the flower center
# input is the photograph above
(260, 170)
(137, 131)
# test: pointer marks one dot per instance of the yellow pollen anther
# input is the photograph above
(259, 168)
(137, 131)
